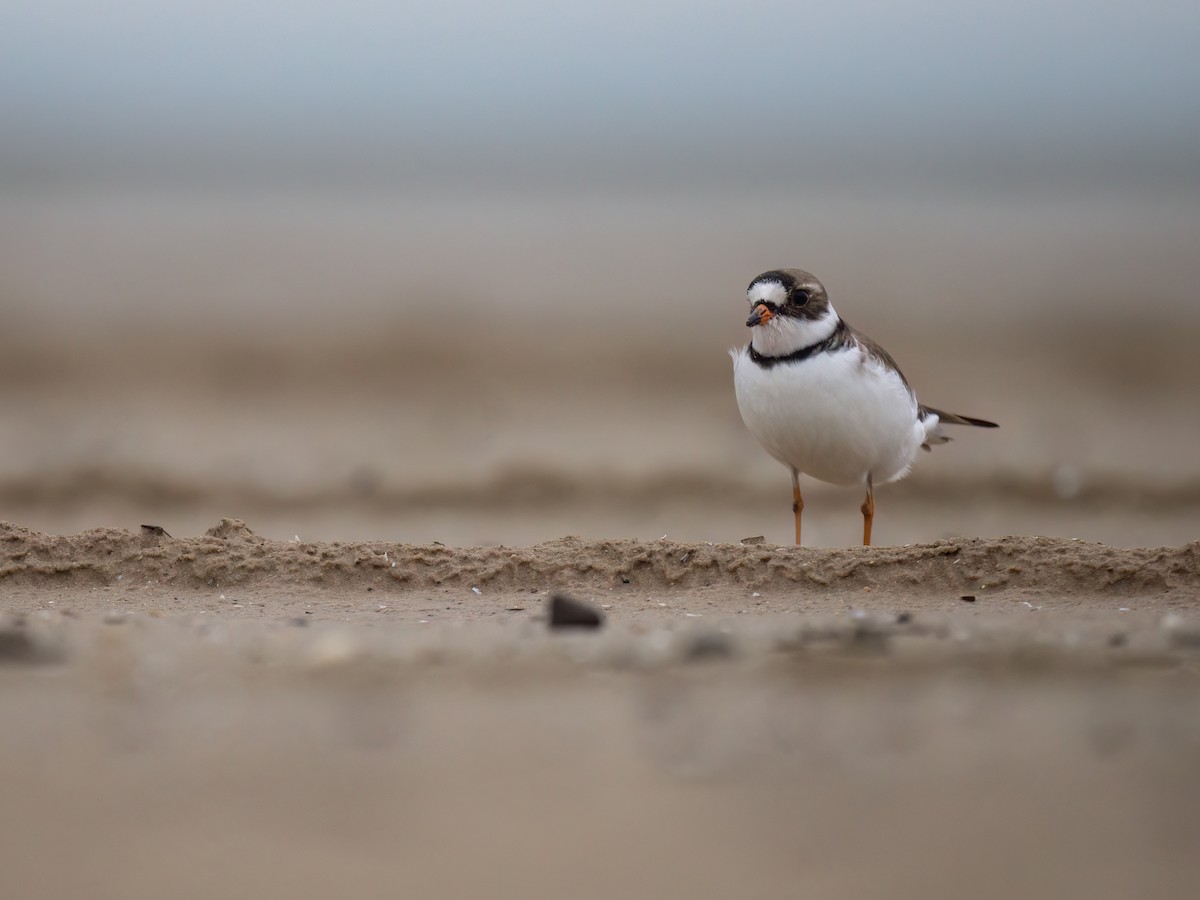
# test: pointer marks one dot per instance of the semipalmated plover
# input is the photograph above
(824, 399)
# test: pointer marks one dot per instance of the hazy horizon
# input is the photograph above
(533, 95)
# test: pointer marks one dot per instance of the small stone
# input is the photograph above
(154, 531)
(967, 598)
(567, 612)
(1118, 640)
(15, 643)
(904, 618)
(757, 539)
(22, 649)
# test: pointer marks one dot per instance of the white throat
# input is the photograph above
(782, 335)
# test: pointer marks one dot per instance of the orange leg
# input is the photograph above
(797, 502)
(868, 511)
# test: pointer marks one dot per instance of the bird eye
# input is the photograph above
(799, 298)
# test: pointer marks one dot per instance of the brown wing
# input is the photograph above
(877, 353)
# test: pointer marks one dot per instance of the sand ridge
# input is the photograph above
(231, 553)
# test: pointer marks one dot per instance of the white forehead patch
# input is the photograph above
(766, 292)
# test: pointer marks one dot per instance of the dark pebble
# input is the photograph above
(1118, 640)
(18, 646)
(904, 618)
(967, 598)
(155, 530)
(299, 621)
(567, 612)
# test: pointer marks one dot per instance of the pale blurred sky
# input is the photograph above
(621, 91)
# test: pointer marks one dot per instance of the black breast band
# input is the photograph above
(836, 339)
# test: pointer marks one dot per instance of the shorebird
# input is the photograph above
(823, 398)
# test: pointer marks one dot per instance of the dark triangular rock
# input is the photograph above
(567, 612)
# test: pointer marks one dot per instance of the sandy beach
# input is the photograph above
(377, 519)
(328, 669)
(226, 712)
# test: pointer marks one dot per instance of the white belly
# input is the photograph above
(838, 417)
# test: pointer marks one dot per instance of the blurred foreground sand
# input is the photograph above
(228, 714)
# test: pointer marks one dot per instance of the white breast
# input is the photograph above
(837, 416)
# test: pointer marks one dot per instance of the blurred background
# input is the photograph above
(468, 272)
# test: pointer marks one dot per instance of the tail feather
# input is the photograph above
(949, 418)
(935, 418)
